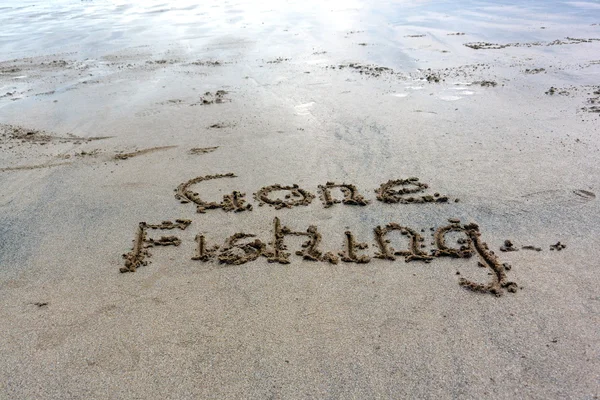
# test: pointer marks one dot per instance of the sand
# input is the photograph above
(299, 200)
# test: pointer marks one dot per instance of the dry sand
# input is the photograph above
(109, 112)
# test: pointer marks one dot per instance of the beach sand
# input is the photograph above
(109, 113)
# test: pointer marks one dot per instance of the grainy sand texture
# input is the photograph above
(299, 199)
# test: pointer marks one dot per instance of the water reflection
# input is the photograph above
(31, 27)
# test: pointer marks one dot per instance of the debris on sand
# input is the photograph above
(552, 91)
(278, 60)
(432, 78)
(558, 42)
(211, 98)
(485, 83)
(534, 71)
(558, 246)
(529, 247)
(594, 104)
(508, 246)
(366, 69)
(208, 63)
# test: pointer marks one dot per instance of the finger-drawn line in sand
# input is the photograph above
(387, 252)
(231, 202)
(30, 167)
(27, 135)
(474, 245)
(204, 252)
(137, 256)
(561, 196)
(585, 194)
(297, 196)
(278, 253)
(235, 254)
(351, 195)
(203, 150)
(387, 194)
(348, 254)
(464, 251)
(500, 282)
(125, 156)
(310, 248)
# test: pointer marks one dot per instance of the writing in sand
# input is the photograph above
(241, 247)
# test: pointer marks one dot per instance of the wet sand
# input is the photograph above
(338, 200)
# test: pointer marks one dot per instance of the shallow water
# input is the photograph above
(262, 28)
